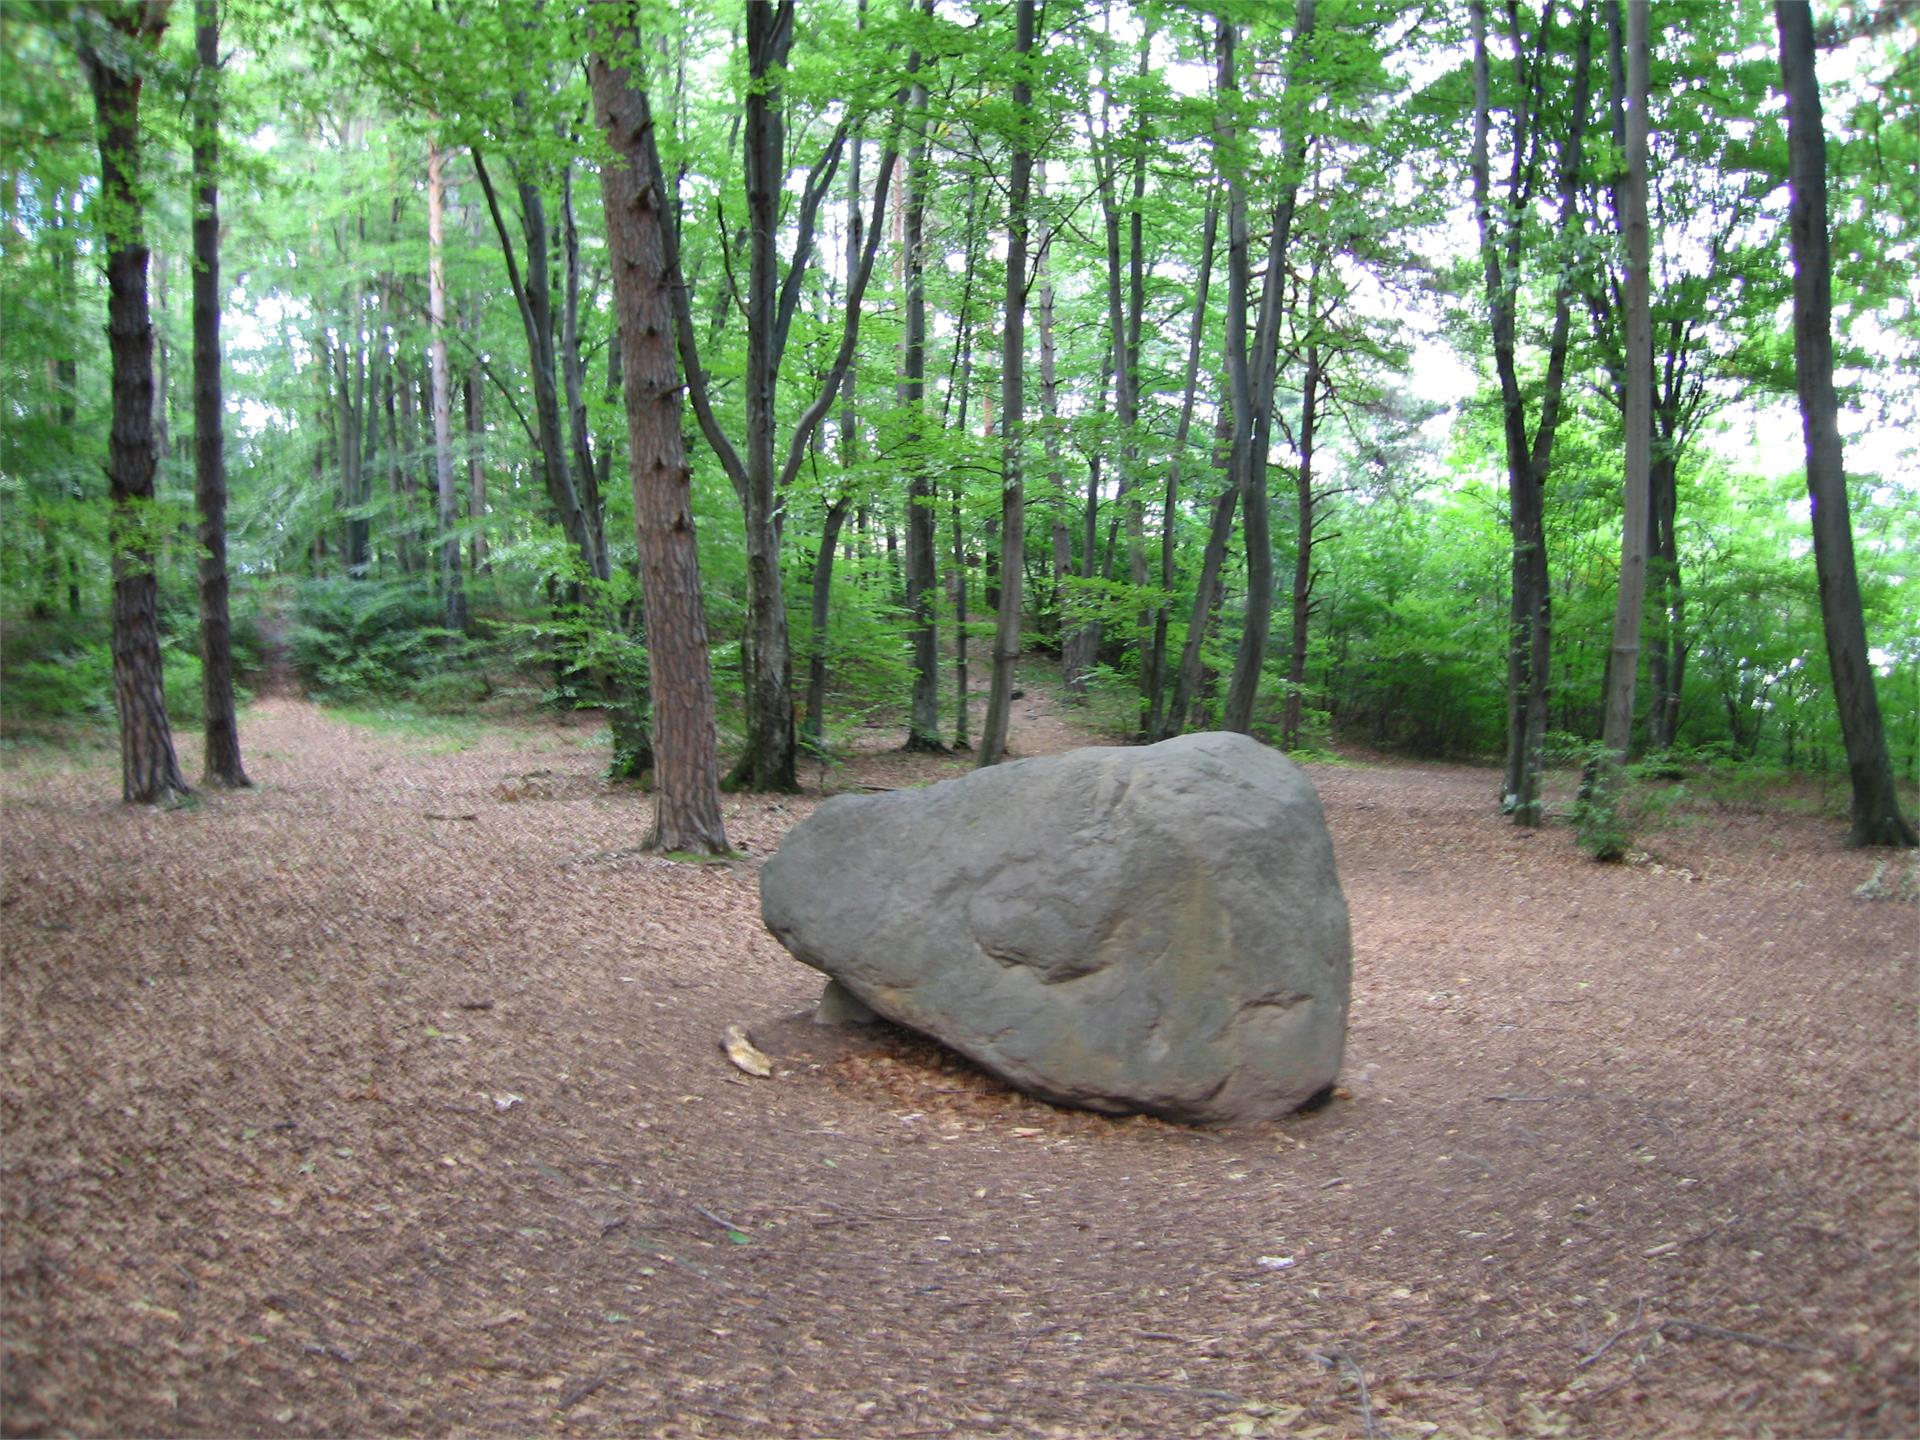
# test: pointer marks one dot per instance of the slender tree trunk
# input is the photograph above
(473, 391)
(1529, 649)
(1187, 682)
(1876, 803)
(923, 726)
(534, 298)
(149, 771)
(1623, 663)
(1013, 511)
(222, 729)
(1303, 555)
(1157, 710)
(453, 596)
(586, 475)
(1253, 374)
(687, 793)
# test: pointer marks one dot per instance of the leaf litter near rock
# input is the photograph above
(242, 1189)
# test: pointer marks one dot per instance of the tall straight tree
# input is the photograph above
(1252, 372)
(1013, 503)
(923, 724)
(453, 599)
(687, 785)
(769, 760)
(1624, 664)
(117, 45)
(1602, 791)
(222, 729)
(1503, 239)
(1876, 804)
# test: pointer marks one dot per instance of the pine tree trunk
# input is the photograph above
(1876, 804)
(149, 771)
(687, 794)
(222, 728)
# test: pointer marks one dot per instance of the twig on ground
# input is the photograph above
(1744, 1337)
(1196, 1392)
(468, 816)
(581, 1389)
(1639, 1309)
(720, 1220)
(1366, 1396)
(1461, 1374)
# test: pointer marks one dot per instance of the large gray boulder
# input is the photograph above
(1156, 929)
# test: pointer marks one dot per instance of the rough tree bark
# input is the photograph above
(1013, 507)
(222, 728)
(1876, 804)
(687, 789)
(115, 46)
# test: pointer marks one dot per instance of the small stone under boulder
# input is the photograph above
(1155, 929)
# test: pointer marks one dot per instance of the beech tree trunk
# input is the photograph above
(222, 729)
(149, 770)
(1013, 507)
(1876, 804)
(923, 724)
(687, 788)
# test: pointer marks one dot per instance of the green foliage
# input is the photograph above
(355, 639)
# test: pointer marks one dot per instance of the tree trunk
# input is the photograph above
(1012, 406)
(1187, 682)
(687, 793)
(1303, 556)
(1604, 831)
(1253, 374)
(222, 729)
(1876, 804)
(1530, 633)
(1013, 508)
(472, 391)
(149, 771)
(1157, 710)
(453, 595)
(923, 725)
(534, 299)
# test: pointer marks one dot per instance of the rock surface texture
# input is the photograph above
(1153, 930)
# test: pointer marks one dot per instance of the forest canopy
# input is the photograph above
(1275, 367)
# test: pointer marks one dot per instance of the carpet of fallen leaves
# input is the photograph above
(389, 1097)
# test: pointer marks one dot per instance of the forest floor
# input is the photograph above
(388, 1098)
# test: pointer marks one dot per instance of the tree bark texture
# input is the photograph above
(1876, 805)
(222, 728)
(687, 791)
(149, 770)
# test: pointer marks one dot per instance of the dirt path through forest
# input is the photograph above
(388, 1098)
